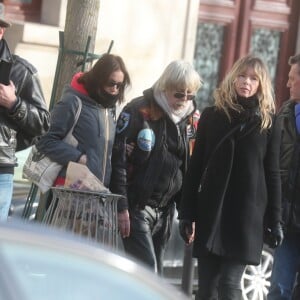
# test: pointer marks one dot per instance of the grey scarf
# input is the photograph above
(176, 115)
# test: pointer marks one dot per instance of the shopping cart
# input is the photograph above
(86, 213)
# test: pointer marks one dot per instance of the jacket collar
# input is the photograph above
(157, 112)
(287, 108)
(5, 53)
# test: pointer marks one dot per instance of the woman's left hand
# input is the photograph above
(187, 230)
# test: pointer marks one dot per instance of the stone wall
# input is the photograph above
(148, 34)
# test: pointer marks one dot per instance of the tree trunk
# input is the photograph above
(81, 22)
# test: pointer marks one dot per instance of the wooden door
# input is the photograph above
(228, 30)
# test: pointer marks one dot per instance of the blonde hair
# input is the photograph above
(177, 75)
(226, 97)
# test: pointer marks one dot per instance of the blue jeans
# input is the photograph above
(286, 265)
(6, 190)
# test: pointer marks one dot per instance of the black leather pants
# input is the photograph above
(219, 278)
(150, 230)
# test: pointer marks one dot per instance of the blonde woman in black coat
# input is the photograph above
(231, 193)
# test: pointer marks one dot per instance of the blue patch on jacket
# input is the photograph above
(146, 139)
(123, 122)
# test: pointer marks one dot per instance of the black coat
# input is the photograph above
(241, 191)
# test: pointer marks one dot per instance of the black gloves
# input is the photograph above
(186, 230)
(274, 236)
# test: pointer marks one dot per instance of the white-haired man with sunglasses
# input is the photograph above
(150, 175)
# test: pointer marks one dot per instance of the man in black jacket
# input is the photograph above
(150, 176)
(287, 256)
(23, 114)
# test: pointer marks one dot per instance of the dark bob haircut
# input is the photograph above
(99, 74)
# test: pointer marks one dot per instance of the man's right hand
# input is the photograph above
(8, 96)
(124, 223)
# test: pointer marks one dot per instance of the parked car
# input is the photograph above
(255, 281)
(43, 263)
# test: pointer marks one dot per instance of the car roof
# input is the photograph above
(32, 246)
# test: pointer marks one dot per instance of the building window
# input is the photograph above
(208, 52)
(265, 44)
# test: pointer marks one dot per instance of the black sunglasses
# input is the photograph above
(114, 84)
(182, 95)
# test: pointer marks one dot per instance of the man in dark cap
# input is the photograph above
(4, 23)
(23, 114)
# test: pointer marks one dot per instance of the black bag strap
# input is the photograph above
(222, 140)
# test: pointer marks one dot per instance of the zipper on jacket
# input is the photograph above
(166, 196)
(106, 139)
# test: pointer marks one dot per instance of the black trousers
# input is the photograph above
(150, 230)
(219, 278)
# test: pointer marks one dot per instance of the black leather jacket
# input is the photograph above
(150, 175)
(29, 117)
(289, 166)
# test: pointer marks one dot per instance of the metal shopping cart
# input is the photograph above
(86, 213)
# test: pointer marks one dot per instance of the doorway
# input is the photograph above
(228, 30)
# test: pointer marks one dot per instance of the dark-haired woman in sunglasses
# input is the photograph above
(150, 175)
(99, 90)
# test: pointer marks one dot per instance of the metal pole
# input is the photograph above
(57, 71)
(110, 46)
(29, 202)
(85, 54)
(188, 270)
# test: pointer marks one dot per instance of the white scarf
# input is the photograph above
(176, 115)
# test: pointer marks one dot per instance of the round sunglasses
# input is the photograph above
(179, 95)
(114, 84)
